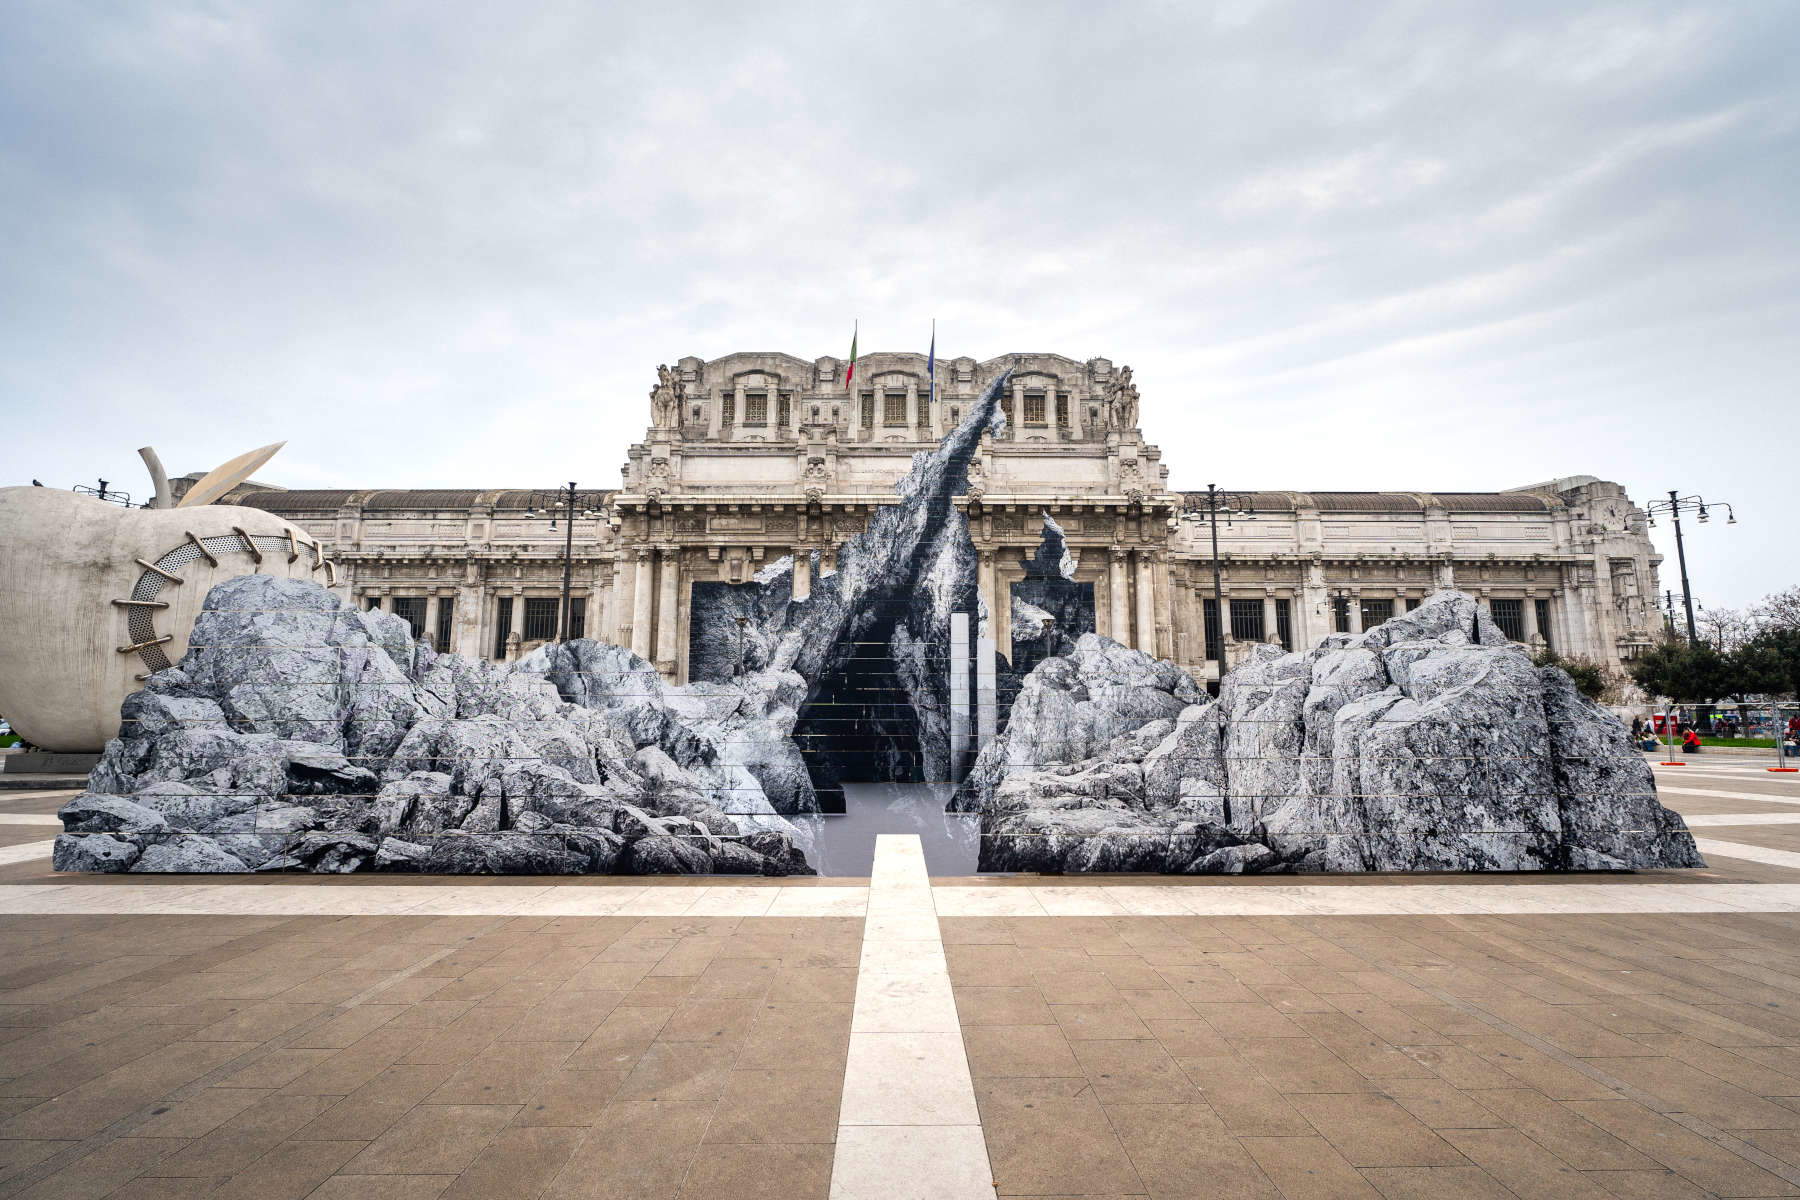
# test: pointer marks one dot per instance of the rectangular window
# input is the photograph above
(1340, 614)
(374, 604)
(540, 618)
(1062, 410)
(446, 624)
(1413, 602)
(868, 409)
(1374, 612)
(1543, 621)
(756, 408)
(577, 616)
(1509, 615)
(502, 625)
(1247, 619)
(781, 410)
(893, 408)
(1034, 408)
(411, 609)
(1284, 623)
(727, 409)
(1214, 650)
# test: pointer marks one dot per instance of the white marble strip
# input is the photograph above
(1750, 770)
(25, 852)
(1781, 818)
(13, 818)
(257, 898)
(1718, 795)
(1563, 895)
(1761, 854)
(907, 1126)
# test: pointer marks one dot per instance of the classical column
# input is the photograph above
(716, 416)
(1119, 626)
(668, 621)
(431, 615)
(802, 573)
(1018, 411)
(1075, 403)
(1355, 606)
(1272, 627)
(912, 409)
(1528, 611)
(999, 620)
(1146, 603)
(640, 603)
(740, 398)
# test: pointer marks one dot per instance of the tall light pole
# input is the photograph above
(569, 504)
(1210, 508)
(1673, 507)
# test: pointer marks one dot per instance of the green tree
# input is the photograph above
(1687, 674)
(1770, 662)
(1590, 678)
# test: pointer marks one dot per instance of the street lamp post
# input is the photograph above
(1673, 507)
(569, 504)
(1209, 508)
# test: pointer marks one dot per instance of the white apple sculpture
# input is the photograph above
(97, 596)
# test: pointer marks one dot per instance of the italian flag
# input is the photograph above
(851, 373)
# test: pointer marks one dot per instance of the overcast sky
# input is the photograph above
(1346, 246)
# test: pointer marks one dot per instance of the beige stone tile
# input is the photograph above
(504, 1073)
(1307, 1168)
(570, 1098)
(290, 1171)
(637, 1151)
(1373, 1131)
(801, 1037)
(1703, 1162)
(678, 1071)
(1134, 1072)
(1020, 1051)
(383, 1187)
(1647, 1185)
(373, 1108)
(1002, 1006)
(621, 1039)
(1436, 1183)
(1099, 1022)
(907, 1079)
(760, 1172)
(1561, 1129)
(433, 1139)
(518, 1163)
(1688, 1089)
(912, 1163)
(1526, 1168)
(1244, 1100)
(1184, 1150)
(1301, 1065)
(777, 1106)
(199, 1114)
(244, 1138)
(1440, 1106)
(1050, 1135)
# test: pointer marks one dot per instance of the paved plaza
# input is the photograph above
(1378, 1036)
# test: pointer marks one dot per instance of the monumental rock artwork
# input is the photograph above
(298, 733)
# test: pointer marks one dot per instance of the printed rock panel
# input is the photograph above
(298, 734)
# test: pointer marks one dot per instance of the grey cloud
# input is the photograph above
(1351, 246)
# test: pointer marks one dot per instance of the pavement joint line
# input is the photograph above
(38, 1172)
(1694, 1124)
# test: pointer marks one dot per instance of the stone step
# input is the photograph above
(40, 783)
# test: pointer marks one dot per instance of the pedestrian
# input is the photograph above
(1690, 742)
(1637, 729)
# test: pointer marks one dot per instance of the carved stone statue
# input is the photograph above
(1122, 401)
(665, 398)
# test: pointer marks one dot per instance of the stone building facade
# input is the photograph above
(753, 457)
